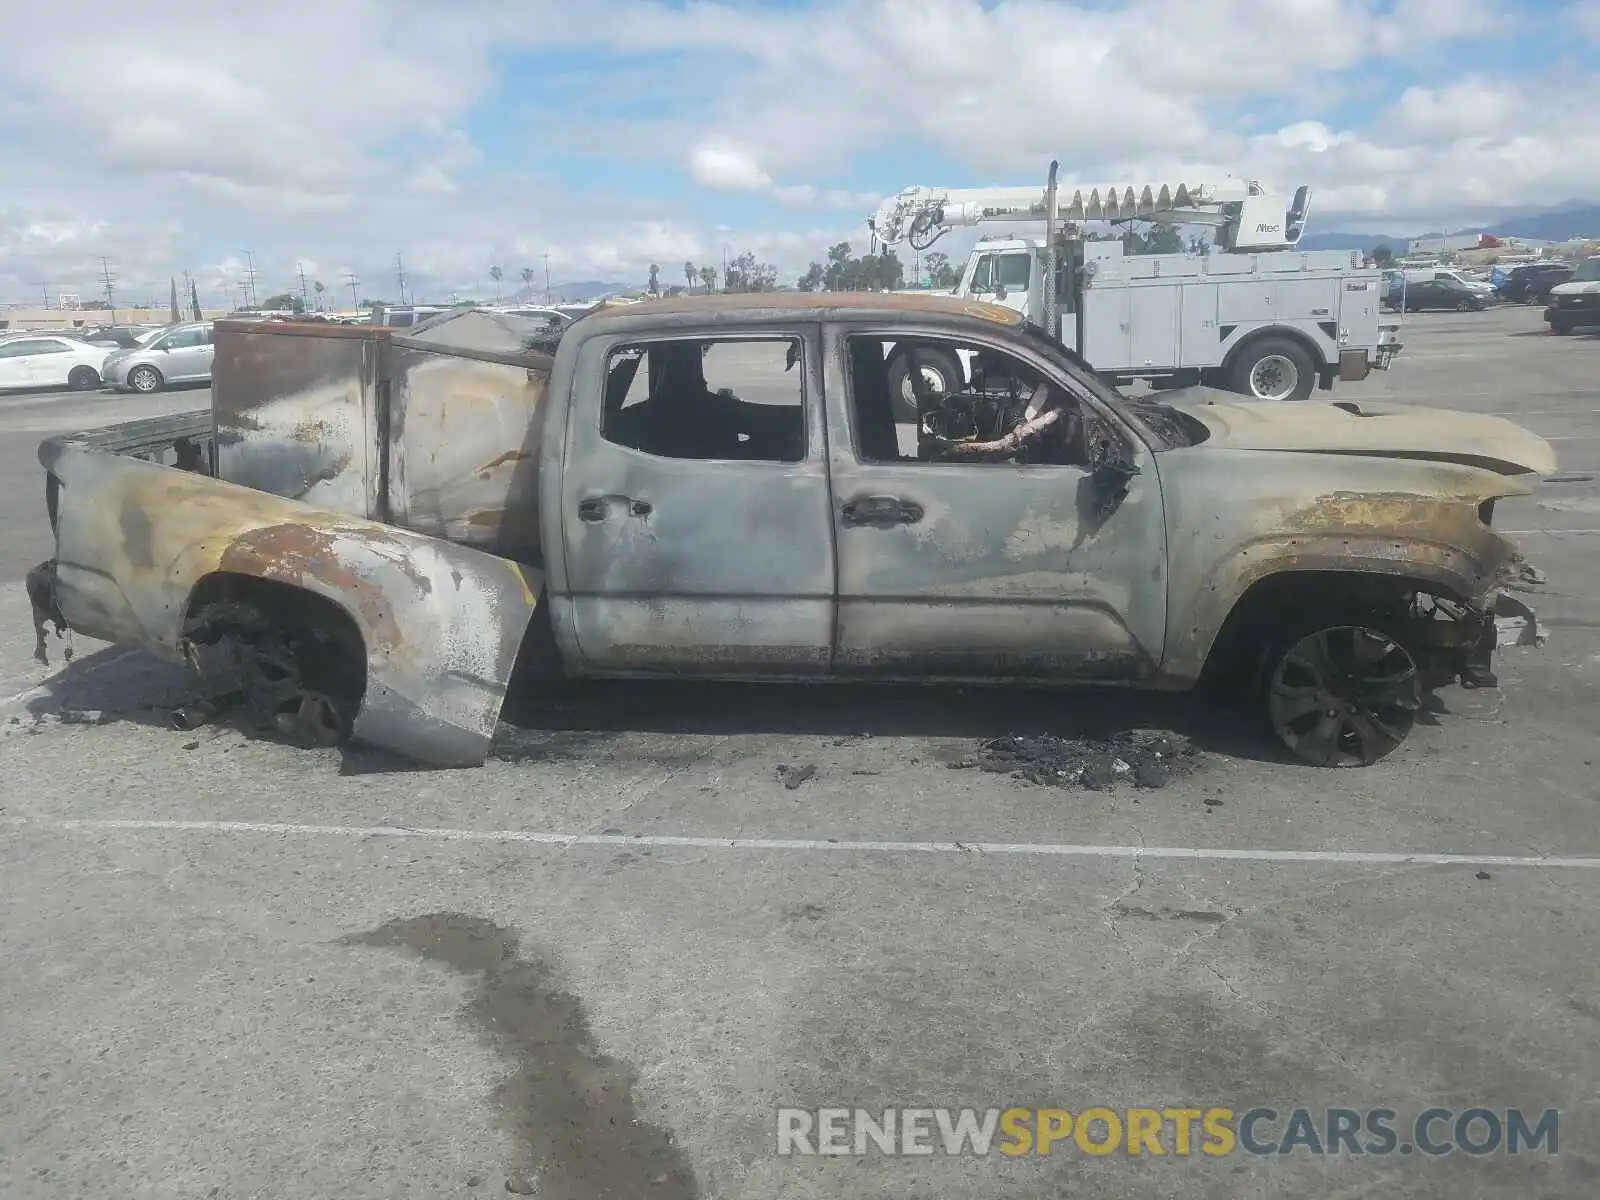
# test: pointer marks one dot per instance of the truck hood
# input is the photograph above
(1440, 435)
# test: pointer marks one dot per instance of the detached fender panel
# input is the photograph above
(441, 624)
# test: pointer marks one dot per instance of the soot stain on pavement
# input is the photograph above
(569, 1109)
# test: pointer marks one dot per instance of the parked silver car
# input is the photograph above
(181, 354)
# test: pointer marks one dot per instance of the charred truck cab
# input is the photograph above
(373, 529)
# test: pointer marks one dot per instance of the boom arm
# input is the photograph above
(1246, 216)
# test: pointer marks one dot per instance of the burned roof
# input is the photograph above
(827, 304)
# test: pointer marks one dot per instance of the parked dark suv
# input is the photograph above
(1531, 283)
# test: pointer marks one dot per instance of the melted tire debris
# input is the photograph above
(1139, 758)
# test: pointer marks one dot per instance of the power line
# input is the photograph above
(110, 281)
(250, 277)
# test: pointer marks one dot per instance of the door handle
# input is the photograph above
(881, 512)
(597, 508)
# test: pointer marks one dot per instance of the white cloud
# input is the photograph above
(336, 133)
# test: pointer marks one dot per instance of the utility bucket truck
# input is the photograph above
(1248, 315)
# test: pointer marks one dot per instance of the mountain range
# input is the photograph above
(1581, 221)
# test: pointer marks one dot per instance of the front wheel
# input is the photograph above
(1463, 306)
(83, 379)
(941, 375)
(1274, 369)
(144, 380)
(1344, 696)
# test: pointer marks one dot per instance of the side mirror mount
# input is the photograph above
(1000, 292)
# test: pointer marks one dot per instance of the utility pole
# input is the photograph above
(547, 279)
(724, 266)
(44, 293)
(110, 285)
(351, 278)
(250, 278)
(305, 300)
(400, 274)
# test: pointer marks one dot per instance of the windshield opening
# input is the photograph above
(1588, 271)
(1074, 364)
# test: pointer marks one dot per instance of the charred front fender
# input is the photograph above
(440, 624)
(1440, 542)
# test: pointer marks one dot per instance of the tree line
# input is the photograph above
(842, 270)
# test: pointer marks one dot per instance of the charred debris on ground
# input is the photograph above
(1140, 758)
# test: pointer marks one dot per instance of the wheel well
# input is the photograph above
(294, 612)
(1272, 606)
(1275, 331)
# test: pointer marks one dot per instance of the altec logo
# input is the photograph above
(1180, 1132)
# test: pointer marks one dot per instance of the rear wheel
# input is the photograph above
(83, 379)
(1274, 369)
(145, 380)
(1344, 696)
(1463, 306)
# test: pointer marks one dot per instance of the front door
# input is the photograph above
(986, 566)
(695, 508)
(188, 355)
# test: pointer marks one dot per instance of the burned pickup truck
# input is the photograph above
(373, 530)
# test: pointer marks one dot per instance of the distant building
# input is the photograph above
(1456, 243)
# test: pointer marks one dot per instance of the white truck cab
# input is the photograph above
(1251, 314)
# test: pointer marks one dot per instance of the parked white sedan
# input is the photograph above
(47, 361)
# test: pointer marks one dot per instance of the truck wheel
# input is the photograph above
(1344, 696)
(1274, 369)
(941, 371)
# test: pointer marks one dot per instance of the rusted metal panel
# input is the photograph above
(297, 408)
(441, 624)
(463, 448)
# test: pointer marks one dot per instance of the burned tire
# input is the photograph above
(941, 371)
(1343, 695)
(1273, 368)
(301, 679)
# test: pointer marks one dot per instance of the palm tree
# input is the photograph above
(496, 274)
(527, 279)
(318, 288)
(690, 273)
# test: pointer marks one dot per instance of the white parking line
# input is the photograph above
(810, 845)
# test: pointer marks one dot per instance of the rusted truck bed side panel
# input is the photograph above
(1258, 513)
(298, 412)
(441, 624)
(437, 438)
(463, 447)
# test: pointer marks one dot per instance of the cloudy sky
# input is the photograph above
(172, 135)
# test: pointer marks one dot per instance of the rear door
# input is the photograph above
(695, 507)
(18, 365)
